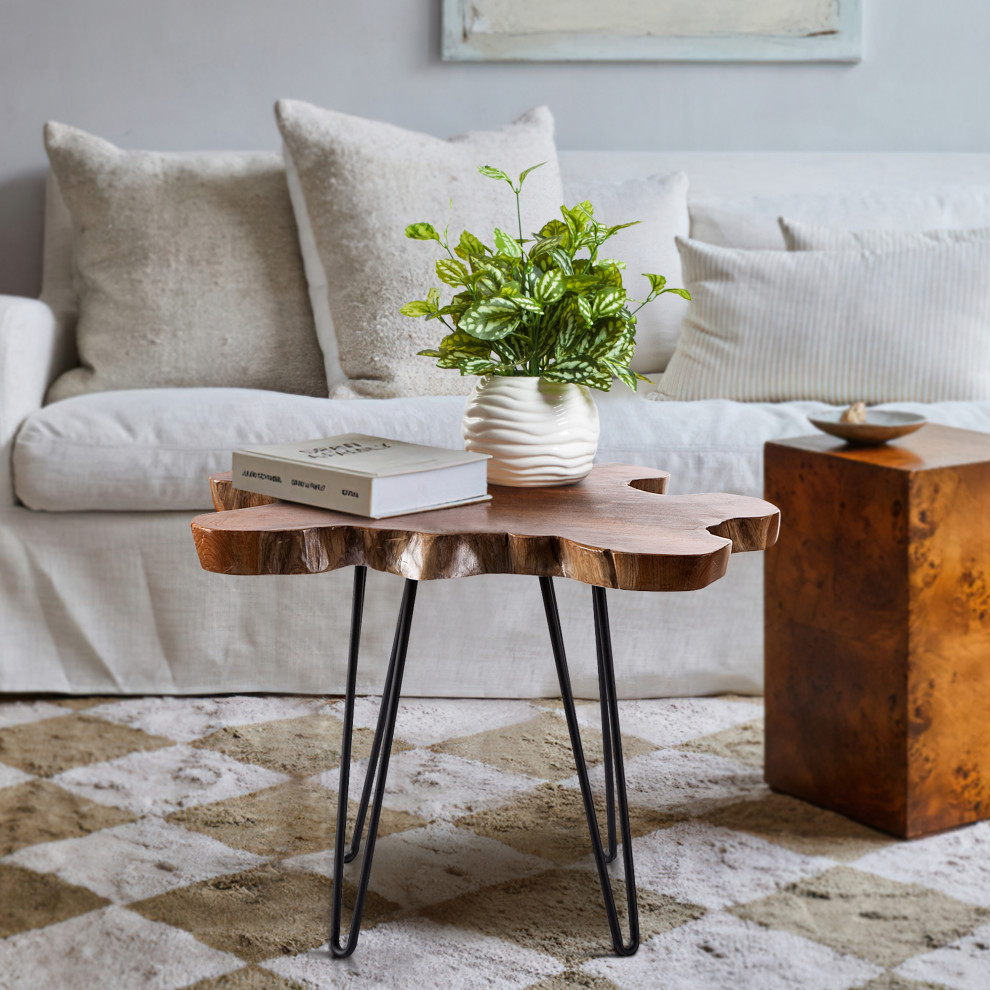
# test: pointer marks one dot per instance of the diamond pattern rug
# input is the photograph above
(187, 842)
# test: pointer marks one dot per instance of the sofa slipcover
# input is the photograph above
(152, 450)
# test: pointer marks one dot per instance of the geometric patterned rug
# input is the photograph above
(186, 842)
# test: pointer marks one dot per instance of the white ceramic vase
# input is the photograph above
(539, 433)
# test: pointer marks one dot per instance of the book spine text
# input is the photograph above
(310, 485)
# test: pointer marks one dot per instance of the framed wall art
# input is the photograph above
(652, 30)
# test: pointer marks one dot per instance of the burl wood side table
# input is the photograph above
(878, 628)
(616, 529)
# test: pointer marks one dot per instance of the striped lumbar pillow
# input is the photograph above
(810, 237)
(835, 326)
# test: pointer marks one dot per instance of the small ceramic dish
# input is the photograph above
(879, 427)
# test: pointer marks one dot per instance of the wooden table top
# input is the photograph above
(931, 448)
(615, 529)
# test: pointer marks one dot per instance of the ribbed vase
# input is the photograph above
(539, 433)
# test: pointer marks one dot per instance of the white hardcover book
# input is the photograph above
(363, 475)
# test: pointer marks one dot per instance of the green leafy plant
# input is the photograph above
(545, 307)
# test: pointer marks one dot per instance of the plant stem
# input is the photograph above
(649, 298)
(534, 330)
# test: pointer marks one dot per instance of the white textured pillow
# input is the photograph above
(361, 183)
(660, 203)
(809, 237)
(751, 221)
(836, 326)
(187, 269)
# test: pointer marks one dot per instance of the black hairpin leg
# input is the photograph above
(615, 778)
(377, 764)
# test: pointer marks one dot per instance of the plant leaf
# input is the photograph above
(433, 299)
(544, 245)
(549, 287)
(490, 319)
(608, 273)
(476, 366)
(459, 346)
(452, 272)
(612, 231)
(506, 244)
(526, 304)
(574, 366)
(562, 260)
(581, 284)
(607, 302)
(584, 309)
(571, 330)
(622, 372)
(553, 228)
(526, 171)
(579, 370)
(576, 218)
(418, 307)
(462, 344)
(494, 173)
(657, 282)
(422, 232)
(469, 246)
(683, 293)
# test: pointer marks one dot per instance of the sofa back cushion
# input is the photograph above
(752, 221)
(836, 326)
(360, 183)
(186, 268)
(810, 237)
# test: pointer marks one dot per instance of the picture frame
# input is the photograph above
(652, 30)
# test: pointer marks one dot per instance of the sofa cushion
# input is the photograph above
(360, 183)
(751, 221)
(835, 326)
(153, 449)
(810, 237)
(187, 268)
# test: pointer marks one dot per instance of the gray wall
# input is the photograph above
(186, 74)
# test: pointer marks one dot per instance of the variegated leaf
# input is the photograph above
(506, 244)
(607, 302)
(418, 307)
(452, 272)
(549, 287)
(470, 247)
(562, 260)
(476, 366)
(494, 173)
(422, 232)
(584, 309)
(490, 319)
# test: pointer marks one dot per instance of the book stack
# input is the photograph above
(364, 475)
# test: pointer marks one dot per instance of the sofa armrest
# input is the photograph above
(34, 349)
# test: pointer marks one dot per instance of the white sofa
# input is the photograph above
(101, 590)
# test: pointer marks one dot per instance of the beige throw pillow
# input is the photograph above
(187, 268)
(835, 326)
(360, 183)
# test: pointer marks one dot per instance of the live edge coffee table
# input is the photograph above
(616, 529)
